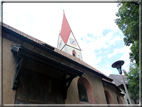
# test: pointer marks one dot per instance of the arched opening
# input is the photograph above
(82, 92)
(85, 91)
(74, 53)
(108, 97)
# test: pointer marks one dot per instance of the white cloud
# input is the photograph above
(113, 41)
(99, 41)
(126, 59)
(49, 17)
(124, 50)
(44, 20)
(106, 70)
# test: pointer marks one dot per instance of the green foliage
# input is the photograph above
(128, 23)
(134, 55)
(133, 81)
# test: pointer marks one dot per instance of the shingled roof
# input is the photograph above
(77, 60)
(117, 80)
(74, 59)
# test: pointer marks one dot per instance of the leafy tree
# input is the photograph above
(128, 23)
(133, 81)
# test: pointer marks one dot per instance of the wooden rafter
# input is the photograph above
(17, 72)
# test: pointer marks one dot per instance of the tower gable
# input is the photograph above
(60, 43)
(72, 41)
(72, 51)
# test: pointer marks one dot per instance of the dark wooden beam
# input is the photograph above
(17, 72)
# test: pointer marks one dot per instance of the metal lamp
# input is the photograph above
(118, 65)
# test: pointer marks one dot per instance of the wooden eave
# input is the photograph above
(26, 53)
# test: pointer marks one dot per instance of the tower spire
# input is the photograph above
(67, 41)
(65, 29)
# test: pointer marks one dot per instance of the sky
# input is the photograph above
(93, 25)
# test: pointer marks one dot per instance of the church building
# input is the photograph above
(33, 72)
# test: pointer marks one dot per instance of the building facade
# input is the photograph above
(117, 80)
(36, 73)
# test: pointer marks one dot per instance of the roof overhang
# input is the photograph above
(26, 53)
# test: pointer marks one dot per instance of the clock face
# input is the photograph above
(72, 41)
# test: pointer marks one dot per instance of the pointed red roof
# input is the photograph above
(65, 30)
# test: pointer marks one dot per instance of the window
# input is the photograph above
(82, 93)
(107, 98)
(85, 91)
(74, 53)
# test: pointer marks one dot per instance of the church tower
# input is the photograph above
(67, 41)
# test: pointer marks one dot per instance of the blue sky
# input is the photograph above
(93, 26)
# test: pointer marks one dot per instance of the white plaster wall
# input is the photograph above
(60, 40)
(69, 50)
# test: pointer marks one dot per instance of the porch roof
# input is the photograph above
(26, 53)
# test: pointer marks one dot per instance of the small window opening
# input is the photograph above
(74, 53)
